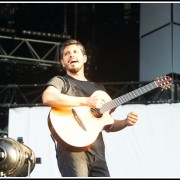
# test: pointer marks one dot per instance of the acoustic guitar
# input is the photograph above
(76, 128)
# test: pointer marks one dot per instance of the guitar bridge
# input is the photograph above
(78, 120)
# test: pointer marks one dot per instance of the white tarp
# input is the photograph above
(150, 149)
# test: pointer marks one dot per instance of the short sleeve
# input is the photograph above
(57, 82)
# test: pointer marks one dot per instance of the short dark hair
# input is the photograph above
(71, 42)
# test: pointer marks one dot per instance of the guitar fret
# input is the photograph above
(152, 85)
(123, 97)
(141, 91)
(143, 88)
(133, 94)
(130, 95)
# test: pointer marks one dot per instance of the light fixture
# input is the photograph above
(16, 159)
(7, 30)
(45, 34)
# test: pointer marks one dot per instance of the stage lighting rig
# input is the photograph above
(16, 159)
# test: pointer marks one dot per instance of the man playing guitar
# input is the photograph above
(76, 120)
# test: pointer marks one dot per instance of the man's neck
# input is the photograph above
(78, 76)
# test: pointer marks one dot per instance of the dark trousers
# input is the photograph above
(80, 164)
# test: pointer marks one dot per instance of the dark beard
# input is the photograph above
(74, 70)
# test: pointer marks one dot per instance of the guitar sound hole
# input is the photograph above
(96, 112)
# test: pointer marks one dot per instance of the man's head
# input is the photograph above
(73, 56)
(71, 42)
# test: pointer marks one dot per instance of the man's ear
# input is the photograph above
(85, 58)
(62, 63)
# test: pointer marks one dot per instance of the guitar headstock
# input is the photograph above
(164, 82)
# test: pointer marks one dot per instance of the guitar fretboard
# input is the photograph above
(127, 97)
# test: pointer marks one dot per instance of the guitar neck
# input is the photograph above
(127, 97)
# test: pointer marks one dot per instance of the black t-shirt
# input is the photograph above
(73, 87)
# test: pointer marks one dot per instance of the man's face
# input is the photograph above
(73, 60)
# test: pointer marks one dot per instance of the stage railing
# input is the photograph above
(13, 96)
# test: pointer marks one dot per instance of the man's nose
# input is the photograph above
(71, 54)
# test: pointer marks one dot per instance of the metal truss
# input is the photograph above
(13, 96)
(41, 52)
(45, 53)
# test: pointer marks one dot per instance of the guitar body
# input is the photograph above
(65, 127)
